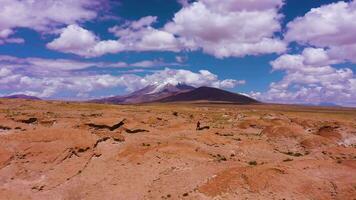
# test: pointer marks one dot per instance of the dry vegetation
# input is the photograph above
(59, 150)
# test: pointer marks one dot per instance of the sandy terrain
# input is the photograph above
(58, 150)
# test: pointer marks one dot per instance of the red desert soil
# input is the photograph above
(59, 150)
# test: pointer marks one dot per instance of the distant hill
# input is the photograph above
(21, 96)
(150, 93)
(328, 104)
(211, 95)
(322, 104)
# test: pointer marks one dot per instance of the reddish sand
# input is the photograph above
(248, 152)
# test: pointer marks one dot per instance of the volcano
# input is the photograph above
(209, 94)
(163, 93)
(150, 93)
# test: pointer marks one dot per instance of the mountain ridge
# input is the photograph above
(163, 93)
(147, 94)
(21, 96)
(210, 94)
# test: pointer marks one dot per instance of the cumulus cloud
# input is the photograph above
(4, 72)
(202, 78)
(331, 27)
(77, 40)
(225, 28)
(310, 76)
(219, 28)
(141, 36)
(132, 36)
(43, 15)
(311, 79)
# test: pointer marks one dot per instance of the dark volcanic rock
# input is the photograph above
(135, 131)
(5, 128)
(211, 95)
(29, 121)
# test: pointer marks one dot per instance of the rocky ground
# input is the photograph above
(59, 150)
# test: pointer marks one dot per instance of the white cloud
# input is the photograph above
(225, 28)
(310, 76)
(52, 77)
(52, 86)
(4, 37)
(203, 78)
(331, 27)
(5, 33)
(141, 36)
(4, 72)
(133, 36)
(181, 59)
(54, 66)
(143, 22)
(77, 40)
(41, 66)
(311, 79)
(317, 56)
(219, 28)
(241, 5)
(44, 15)
(149, 63)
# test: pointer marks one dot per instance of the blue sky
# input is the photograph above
(275, 50)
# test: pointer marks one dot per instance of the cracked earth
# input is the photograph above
(60, 150)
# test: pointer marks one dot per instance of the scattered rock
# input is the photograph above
(293, 154)
(288, 160)
(252, 163)
(224, 134)
(38, 188)
(111, 128)
(219, 158)
(29, 121)
(135, 131)
(199, 128)
(5, 128)
(146, 145)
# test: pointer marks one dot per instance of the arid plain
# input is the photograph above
(61, 150)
